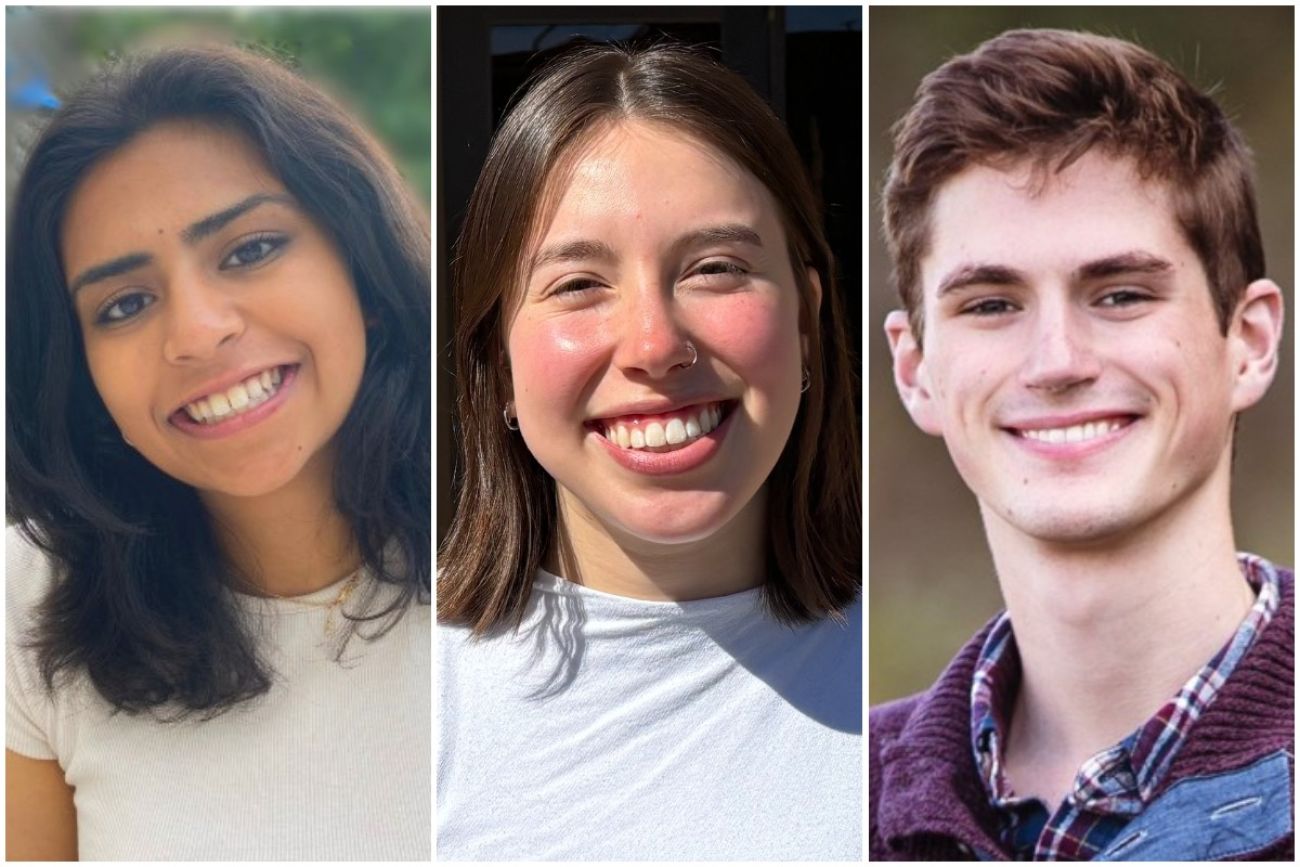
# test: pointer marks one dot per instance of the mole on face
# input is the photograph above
(160, 231)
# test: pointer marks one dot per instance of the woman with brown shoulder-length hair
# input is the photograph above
(649, 595)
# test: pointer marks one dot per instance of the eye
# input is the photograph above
(575, 287)
(254, 251)
(989, 307)
(720, 268)
(123, 308)
(1123, 298)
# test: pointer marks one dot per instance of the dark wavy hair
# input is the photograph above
(506, 514)
(141, 602)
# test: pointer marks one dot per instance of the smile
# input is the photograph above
(1075, 433)
(240, 398)
(664, 432)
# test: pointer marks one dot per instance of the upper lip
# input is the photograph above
(1047, 422)
(654, 406)
(226, 380)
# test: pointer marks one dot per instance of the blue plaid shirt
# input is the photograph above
(1114, 785)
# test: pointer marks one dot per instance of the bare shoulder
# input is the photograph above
(40, 818)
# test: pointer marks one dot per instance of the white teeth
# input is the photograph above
(243, 396)
(1077, 433)
(676, 431)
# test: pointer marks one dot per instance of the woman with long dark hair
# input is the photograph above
(217, 405)
(649, 595)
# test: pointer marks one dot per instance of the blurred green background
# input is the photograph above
(931, 578)
(376, 62)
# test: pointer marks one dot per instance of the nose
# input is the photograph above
(1060, 351)
(652, 341)
(200, 319)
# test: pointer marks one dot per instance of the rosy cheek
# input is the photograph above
(755, 330)
(554, 358)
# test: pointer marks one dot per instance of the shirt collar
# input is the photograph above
(1121, 778)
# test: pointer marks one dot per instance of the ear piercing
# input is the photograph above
(511, 420)
(806, 382)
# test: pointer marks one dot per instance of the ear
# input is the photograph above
(1253, 338)
(910, 375)
(815, 284)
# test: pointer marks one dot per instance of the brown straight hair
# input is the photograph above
(506, 511)
(1050, 96)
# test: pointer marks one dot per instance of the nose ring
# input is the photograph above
(695, 356)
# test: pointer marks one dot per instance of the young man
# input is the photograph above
(1074, 235)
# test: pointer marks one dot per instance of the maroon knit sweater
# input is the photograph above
(927, 802)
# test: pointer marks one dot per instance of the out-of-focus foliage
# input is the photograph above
(931, 578)
(376, 62)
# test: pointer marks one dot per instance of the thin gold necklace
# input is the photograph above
(332, 606)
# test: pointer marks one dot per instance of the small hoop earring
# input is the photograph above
(806, 382)
(512, 423)
(695, 356)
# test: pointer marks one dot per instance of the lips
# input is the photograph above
(239, 398)
(662, 431)
(1072, 433)
(231, 408)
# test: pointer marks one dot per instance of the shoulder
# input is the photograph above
(29, 574)
(888, 719)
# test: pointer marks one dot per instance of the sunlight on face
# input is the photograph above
(658, 302)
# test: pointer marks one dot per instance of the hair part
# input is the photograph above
(1047, 97)
(487, 565)
(142, 602)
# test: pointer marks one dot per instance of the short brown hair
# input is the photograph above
(506, 510)
(1050, 96)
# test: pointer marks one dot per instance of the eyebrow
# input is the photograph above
(192, 234)
(585, 250)
(1132, 262)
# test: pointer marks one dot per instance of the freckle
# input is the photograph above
(160, 231)
(1025, 481)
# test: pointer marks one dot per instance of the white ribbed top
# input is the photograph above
(610, 728)
(332, 764)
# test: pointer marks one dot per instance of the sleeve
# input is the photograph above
(29, 708)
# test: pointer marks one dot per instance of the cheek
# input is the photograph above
(551, 360)
(751, 333)
(123, 381)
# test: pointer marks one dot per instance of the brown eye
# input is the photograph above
(254, 251)
(123, 308)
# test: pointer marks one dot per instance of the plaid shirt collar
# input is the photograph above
(1116, 784)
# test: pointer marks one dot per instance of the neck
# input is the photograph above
(1109, 631)
(596, 555)
(290, 542)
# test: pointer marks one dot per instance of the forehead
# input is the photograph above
(158, 182)
(648, 178)
(1097, 207)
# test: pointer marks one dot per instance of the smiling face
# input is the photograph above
(1073, 362)
(655, 353)
(221, 325)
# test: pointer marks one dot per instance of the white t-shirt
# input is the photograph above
(611, 728)
(331, 764)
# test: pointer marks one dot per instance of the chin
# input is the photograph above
(669, 521)
(1072, 526)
